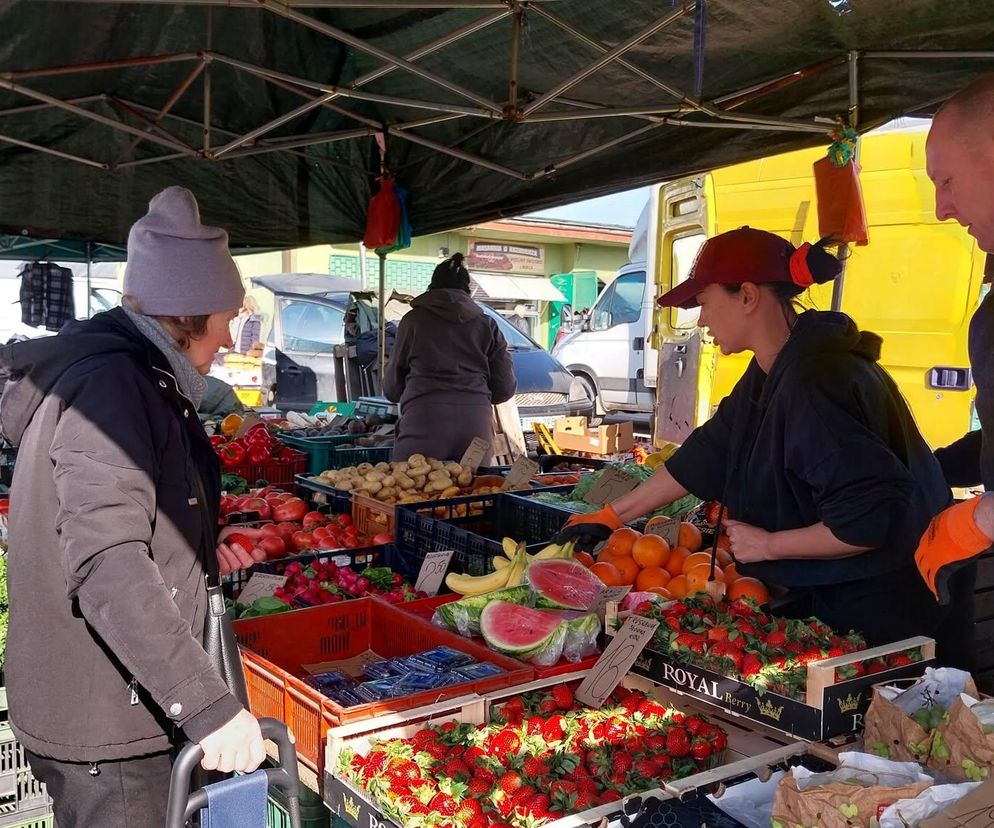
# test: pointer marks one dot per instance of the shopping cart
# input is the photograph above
(184, 805)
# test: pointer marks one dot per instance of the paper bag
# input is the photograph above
(963, 749)
(841, 214)
(853, 796)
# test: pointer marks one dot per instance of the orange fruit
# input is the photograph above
(724, 557)
(678, 586)
(724, 542)
(695, 559)
(731, 573)
(698, 576)
(627, 567)
(605, 556)
(608, 574)
(674, 565)
(651, 576)
(690, 536)
(621, 541)
(663, 591)
(585, 558)
(748, 588)
(651, 551)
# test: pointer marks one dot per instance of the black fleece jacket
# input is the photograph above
(826, 437)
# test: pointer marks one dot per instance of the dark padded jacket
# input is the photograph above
(108, 535)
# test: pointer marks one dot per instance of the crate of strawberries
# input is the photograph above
(796, 675)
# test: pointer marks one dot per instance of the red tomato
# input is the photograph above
(344, 520)
(329, 543)
(314, 519)
(284, 496)
(255, 504)
(350, 542)
(302, 541)
(321, 532)
(350, 532)
(293, 509)
(274, 547)
(229, 504)
(287, 530)
(383, 537)
(238, 541)
(271, 530)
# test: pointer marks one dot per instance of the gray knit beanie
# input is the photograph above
(178, 266)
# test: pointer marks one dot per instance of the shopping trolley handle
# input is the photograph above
(183, 804)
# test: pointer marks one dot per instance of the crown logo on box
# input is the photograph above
(850, 704)
(351, 807)
(770, 710)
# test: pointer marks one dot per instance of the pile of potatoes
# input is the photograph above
(415, 480)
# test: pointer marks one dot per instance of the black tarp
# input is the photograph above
(318, 194)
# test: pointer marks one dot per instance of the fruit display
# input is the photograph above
(256, 447)
(648, 564)
(737, 639)
(509, 572)
(392, 678)
(541, 757)
(574, 501)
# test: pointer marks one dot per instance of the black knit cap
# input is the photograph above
(451, 274)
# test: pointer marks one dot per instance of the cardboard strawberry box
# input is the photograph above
(830, 706)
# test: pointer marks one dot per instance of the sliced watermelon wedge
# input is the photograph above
(563, 585)
(524, 633)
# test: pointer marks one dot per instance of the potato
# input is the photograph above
(419, 471)
(465, 478)
(435, 464)
(439, 474)
(437, 485)
(386, 493)
(383, 467)
(400, 467)
(452, 491)
(375, 476)
(373, 486)
(454, 469)
(344, 485)
(417, 460)
(410, 498)
(364, 468)
(403, 481)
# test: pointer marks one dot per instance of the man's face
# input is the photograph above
(960, 162)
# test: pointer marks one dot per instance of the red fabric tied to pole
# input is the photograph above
(383, 217)
(841, 214)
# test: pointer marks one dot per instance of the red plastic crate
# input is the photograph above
(275, 647)
(276, 474)
(425, 608)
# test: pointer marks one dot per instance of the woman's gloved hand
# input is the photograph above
(589, 530)
(953, 539)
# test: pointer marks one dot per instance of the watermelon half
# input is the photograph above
(563, 585)
(523, 632)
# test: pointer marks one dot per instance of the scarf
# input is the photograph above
(189, 379)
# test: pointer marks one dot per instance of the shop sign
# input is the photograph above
(506, 257)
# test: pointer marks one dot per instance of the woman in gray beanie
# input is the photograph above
(113, 521)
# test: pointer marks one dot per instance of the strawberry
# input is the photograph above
(513, 706)
(563, 696)
(406, 772)
(534, 725)
(877, 666)
(553, 730)
(694, 724)
(677, 742)
(472, 756)
(535, 768)
(899, 660)
(701, 751)
(584, 800)
(510, 782)
(456, 769)
(548, 705)
(443, 804)
(646, 768)
(751, 664)
(650, 709)
(478, 786)
(621, 762)
(504, 743)
(413, 805)
(608, 796)
(468, 810)
(776, 640)
(422, 739)
(537, 805)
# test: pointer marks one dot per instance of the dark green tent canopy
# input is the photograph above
(271, 110)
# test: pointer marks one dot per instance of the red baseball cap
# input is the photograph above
(739, 256)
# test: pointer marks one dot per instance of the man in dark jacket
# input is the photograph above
(448, 368)
(113, 516)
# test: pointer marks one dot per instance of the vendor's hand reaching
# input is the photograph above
(233, 558)
(748, 544)
(589, 530)
(235, 746)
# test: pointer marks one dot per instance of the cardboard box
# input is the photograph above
(575, 434)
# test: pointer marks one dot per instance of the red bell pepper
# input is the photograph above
(218, 440)
(258, 454)
(231, 454)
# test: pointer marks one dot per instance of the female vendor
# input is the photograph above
(827, 481)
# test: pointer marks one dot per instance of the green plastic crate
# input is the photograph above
(46, 821)
(346, 409)
(323, 453)
(313, 813)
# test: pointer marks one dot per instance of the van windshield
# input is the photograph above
(516, 340)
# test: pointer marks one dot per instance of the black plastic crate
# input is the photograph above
(475, 535)
(338, 500)
(547, 461)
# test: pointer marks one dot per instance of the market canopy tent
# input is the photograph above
(272, 111)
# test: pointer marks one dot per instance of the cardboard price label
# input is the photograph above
(667, 528)
(611, 485)
(616, 660)
(610, 595)
(474, 456)
(521, 472)
(433, 570)
(260, 585)
(250, 421)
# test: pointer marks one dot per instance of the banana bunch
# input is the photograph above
(509, 569)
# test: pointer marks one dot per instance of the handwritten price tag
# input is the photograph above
(260, 585)
(433, 570)
(611, 485)
(610, 595)
(616, 660)
(667, 528)
(475, 454)
(521, 471)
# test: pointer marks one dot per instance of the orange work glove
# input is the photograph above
(951, 541)
(589, 530)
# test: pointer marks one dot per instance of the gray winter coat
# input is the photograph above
(108, 536)
(448, 366)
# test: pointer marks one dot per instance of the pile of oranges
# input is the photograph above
(648, 564)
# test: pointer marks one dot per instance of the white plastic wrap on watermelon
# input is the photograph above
(560, 584)
(538, 636)
(463, 615)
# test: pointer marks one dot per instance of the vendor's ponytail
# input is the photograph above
(813, 264)
(451, 274)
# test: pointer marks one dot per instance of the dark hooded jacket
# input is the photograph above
(448, 349)
(826, 437)
(108, 537)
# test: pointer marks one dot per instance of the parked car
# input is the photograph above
(308, 321)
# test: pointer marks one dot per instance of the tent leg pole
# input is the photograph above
(382, 322)
(840, 282)
(89, 260)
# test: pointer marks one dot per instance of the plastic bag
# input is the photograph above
(383, 217)
(582, 631)
(841, 213)
(909, 813)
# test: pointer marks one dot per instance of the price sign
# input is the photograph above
(616, 660)
(520, 473)
(611, 485)
(260, 585)
(477, 452)
(433, 570)
(385, 430)
(251, 420)
(610, 595)
(667, 528)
